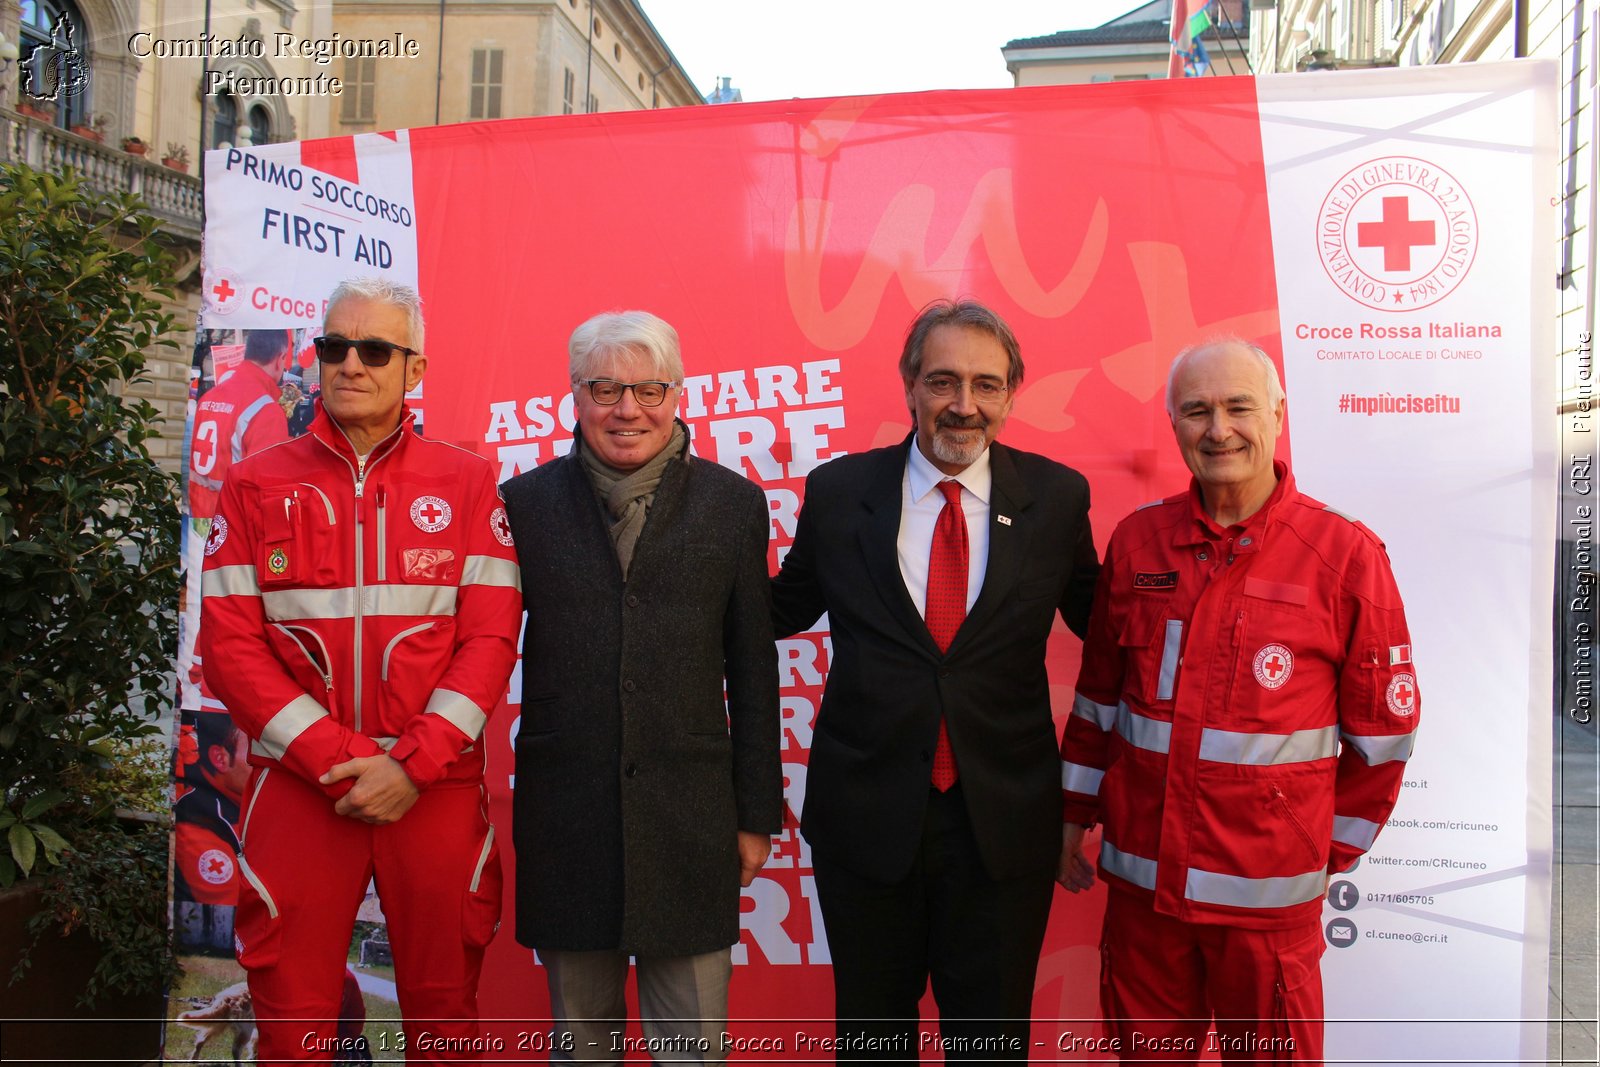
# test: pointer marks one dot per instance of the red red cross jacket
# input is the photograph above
(353, 605)
(234, 419)
(1245, 708)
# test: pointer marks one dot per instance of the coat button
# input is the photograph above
(1244, 540)
(631, 600)
(631, 769)
(1202, 555)
(628, 686)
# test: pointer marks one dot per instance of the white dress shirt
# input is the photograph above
(920, 504)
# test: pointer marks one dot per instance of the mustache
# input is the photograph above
(947, 420)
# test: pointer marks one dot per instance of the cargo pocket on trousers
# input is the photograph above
(480, 908)
(1297, 999)
(257, 926)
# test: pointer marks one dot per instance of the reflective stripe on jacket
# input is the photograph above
(1245, 708)
(356, 605)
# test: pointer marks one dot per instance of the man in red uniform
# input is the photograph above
(361, 588)
(237, 417)
(206, 818)
(1243, 716)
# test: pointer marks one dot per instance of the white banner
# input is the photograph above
(1412, 324)
(309, 226)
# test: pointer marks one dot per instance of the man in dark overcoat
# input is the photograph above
(643, 800)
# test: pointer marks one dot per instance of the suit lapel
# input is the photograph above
(1009, 533)
(880, 533)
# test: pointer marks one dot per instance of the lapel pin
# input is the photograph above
(1003, 520)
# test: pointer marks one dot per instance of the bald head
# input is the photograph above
(1271, 382)
(1227, 409)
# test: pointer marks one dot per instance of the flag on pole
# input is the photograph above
(1190, 18)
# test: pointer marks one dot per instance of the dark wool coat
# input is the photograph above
(633, 777)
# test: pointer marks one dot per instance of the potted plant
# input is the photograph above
(134, 147)
(177, 157)
(36, 110)
(88, 569)
(94, 130)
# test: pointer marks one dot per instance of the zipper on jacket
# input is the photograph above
(483, 858)
(325, 672)
(401, 636)
(383, 528)
(250, 808)
(255, 882)
(359, 471)
(361, 483)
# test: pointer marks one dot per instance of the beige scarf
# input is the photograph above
(627, 496)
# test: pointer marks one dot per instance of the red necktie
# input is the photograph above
(947, 604)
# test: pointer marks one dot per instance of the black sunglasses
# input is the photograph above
(373, 352)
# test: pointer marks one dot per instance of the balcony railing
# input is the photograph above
(172, 196)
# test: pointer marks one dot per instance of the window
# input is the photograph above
(224, 120)
(594, 103)
(357, 102)
(569, 86)
(616, 52)
(487, 67)
(260, 125)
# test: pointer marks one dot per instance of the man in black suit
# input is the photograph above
(939, 621)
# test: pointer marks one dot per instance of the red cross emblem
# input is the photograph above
(215, 866)
(430, 513)
(1273, 665)
(218, 534)
(1402, 694)
(501, 526)
(1396, 234)
(223, 291)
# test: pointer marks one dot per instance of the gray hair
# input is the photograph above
(611, 335)
(383, 291)
(964, 312)
(1275, 393)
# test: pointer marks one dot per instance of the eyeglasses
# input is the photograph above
(373, 352)
(984, 390)
(605, 392)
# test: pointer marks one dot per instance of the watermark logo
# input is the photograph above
(58, 70)
(1397, 233)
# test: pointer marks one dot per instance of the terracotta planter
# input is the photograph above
(136, 149)
(88, 131)
(35, 112)
(178, 165)
(44, 1021)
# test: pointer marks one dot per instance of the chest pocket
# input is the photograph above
(1280, 654)
(1151, 641)
(299, 537)
(418, 535)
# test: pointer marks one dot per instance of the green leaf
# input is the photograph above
(8, 871)
(53, 842)
(23, 846)
(42, 803)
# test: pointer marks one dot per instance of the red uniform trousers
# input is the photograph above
(1163, 981)
(304, 873)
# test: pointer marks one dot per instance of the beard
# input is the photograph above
(961, 449)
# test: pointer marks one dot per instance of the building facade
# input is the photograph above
(1319, 35)
(129, 93)
(1131, 47)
